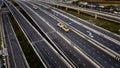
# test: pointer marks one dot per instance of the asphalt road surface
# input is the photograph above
(49, 56)
(106, 42)
(70, 52)
(89, 48)
(15, 53)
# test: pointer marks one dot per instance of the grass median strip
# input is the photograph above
(30, 55)
(108, 25)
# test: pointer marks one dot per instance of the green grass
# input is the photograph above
(30, 55)
(108, 25)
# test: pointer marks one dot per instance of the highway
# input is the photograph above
(84, 27)
(100, 11)
(1, 2)
(104, 15)
(93, 26)
(72, 54)
(86, 46)
(100, 37)
(50, 57)
(15, 53)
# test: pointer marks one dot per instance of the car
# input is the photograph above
(115, 12)
(3, 55)
(90, 34)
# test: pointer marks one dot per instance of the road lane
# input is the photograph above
(98, 38)
(16, 55)
(93, 26)
(1, 2)
(61, 43)
(97, 53)
(43, 48)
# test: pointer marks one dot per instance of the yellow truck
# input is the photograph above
(63, 26)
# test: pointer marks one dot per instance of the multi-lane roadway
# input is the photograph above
(73, 37)
(52, 33)
(50, 57)
(85, 45)
(111, 41)
(77, 40)
(108, 16)
(15, 54)
(1, 2)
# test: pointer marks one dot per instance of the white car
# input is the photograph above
(90, 34)
(115, 12)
